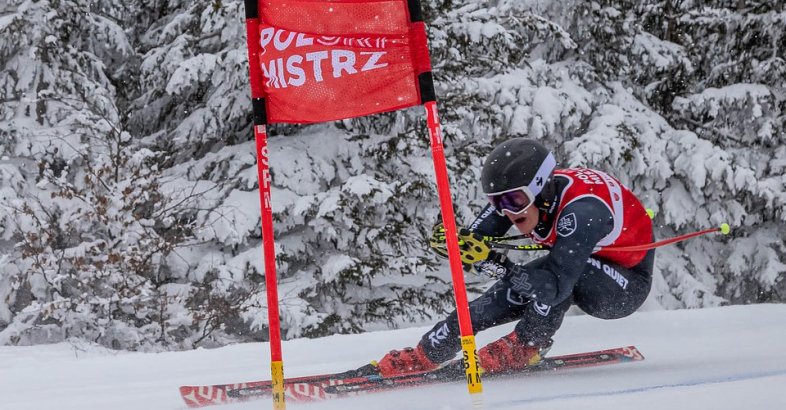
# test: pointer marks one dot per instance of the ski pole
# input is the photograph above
(527, 247)
(505, 238)
(724, 229)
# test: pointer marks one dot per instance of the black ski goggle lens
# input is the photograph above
(515, 202)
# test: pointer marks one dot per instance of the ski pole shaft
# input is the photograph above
(505, 238)
(724, 229)
(527, 247)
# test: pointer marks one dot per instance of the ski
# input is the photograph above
(366, 380)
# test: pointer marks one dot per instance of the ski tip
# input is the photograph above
(191, 396)
(632, 353)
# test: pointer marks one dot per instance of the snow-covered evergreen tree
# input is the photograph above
(735, 104)
(88, 218)
(58, 109)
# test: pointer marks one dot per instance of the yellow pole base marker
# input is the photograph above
(471, 364)
(725, 229)
(277, 373)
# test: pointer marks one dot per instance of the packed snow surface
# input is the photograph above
(720, 358)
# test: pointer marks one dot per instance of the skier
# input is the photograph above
(576, 212)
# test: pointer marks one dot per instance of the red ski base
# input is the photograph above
(353, 383)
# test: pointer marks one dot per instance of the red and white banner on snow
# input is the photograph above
(329, 60)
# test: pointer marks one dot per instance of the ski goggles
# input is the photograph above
(515, 201)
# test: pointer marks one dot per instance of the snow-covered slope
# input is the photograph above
(721, 358)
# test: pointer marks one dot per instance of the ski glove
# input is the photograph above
(472, 246)
(476, 256)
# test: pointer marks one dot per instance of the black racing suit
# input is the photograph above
(539, 293)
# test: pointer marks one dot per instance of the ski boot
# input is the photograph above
(509, 354)
(405, 361)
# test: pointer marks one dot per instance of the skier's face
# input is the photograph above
(526, 221)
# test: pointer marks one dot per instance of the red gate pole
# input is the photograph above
(263, 168)
(449, 221)
(422, 61)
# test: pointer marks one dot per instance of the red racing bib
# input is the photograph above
(632, 225)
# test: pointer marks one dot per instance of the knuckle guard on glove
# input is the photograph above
(473, 247)
(476, 256)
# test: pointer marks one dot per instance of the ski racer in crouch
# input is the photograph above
(576, 212)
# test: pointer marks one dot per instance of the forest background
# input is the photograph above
(129, 212)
